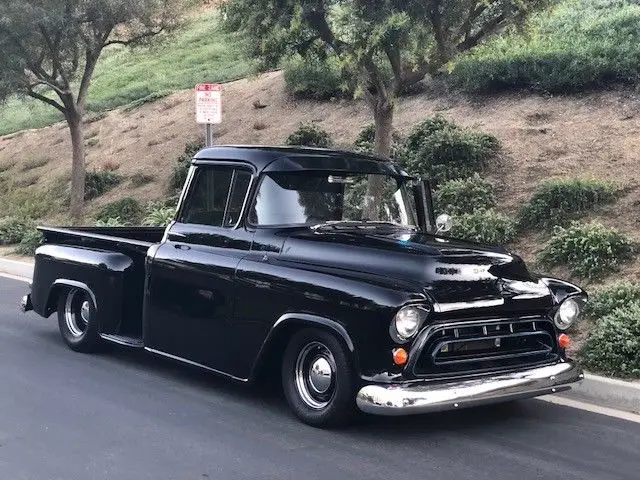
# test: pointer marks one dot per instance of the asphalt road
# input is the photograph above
(128, 415)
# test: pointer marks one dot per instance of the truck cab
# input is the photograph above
(327, 265)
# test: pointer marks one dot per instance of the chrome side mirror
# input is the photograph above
(444, 223)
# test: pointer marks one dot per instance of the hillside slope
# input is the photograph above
(587, 136)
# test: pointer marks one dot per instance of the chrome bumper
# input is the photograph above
(429, 396)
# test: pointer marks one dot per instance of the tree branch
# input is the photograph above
(438, 30)
(137, 38)
(393, 54)
(488, 29)
(44, 99)
(55, 58)
(317, 18)
(475, 10)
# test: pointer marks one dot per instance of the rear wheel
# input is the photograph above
(77, 321)
(318, 379)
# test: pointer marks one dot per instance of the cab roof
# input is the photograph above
(293, 159)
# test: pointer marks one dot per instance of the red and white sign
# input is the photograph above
(208, 103)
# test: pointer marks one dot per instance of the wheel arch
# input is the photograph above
(284, 328)
(61, 285)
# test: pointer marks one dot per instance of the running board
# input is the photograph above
(134, 342)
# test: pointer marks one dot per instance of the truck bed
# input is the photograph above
(126, 239)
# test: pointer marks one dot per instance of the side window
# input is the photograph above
(216, 196)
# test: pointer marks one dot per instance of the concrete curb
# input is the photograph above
(597, 390)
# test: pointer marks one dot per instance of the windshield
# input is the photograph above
(310, 198)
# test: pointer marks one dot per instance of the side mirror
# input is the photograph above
(444, 223)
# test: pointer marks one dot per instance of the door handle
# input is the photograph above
(181, 246)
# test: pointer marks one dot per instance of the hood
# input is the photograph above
(456, 275)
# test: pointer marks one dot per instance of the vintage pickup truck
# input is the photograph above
(280, 256)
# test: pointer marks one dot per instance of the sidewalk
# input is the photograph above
(597, 390)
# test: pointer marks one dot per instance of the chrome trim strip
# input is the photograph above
(195, 364)
(453, 306)
(424, 397)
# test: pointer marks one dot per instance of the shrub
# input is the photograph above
(588, 250)
(441, 151)
(139, 179)
(457, 197)
(14, 229)
(579, 45)
(317, 79)
(604, 301)
(365, 143)
(159, 215)
(110, 222)
(309, 135)
(127, 209)
(98, 183)
(555, 202)
(484, 226)
(180, 171)
(613, 347)
(31, 240)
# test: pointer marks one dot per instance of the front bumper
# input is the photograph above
(429, 396)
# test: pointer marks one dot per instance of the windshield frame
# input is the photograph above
(402, 179)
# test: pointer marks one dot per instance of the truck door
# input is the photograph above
(190, 292)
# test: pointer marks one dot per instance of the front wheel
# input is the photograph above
(77, 321)
(318, 379)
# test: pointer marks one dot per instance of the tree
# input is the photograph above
(49, 50)
(390, 45)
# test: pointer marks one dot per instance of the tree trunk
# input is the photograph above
(383, 116)
(78, 168)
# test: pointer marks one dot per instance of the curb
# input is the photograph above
(594, 389)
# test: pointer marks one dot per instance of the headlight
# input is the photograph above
(407, 322)
(568, 313)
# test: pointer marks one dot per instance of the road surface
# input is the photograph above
(128, 415)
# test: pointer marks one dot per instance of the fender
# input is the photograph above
(64, 282)
(561, 289)
(301, 320)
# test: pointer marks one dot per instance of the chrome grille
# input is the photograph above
(486, 345)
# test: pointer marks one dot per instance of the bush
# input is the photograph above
(555, 202)
(127, 209)
(110, 222)
(159, 215)
(484, 226)
(98, 183)
(579, 45)
(13, 230)
(604, 301)
(589, 251)
(457, 197)
(139, 179)
(613, 347)
(441, 151)
(180, 171)
(31, 240)
(309, 135)
(317, 79)
(365, 143)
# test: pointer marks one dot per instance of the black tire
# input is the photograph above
(331, 408)
(78, 332)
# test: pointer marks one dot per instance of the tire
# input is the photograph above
(318, 379)
(78, 322)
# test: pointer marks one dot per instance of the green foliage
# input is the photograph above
(590, 251)
(98, 183)
(110, 222)
(604, 301)
(14, 229)
(309, 135)
(181, 170)
(555, 202)
(365, 143)
(31, 240)
(317, 78)
(484, 226)
(613, 347)
(127, 210)
(581, 44)
(159, 215)
(458, 197)
(440, 150)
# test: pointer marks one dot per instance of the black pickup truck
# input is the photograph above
(280, 256)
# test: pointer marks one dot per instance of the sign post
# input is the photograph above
(208, 108)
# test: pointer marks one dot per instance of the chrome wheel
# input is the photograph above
(77, 312)
(315, 373)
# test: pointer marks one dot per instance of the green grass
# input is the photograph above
(200, 51)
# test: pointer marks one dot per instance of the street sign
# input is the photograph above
(208, 103)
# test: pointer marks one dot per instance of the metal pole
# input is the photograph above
(208, 134)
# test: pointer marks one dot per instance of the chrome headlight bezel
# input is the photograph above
(569, 312)
(407, 322)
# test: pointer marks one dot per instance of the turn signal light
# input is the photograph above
(564, 341)
(400, 356)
